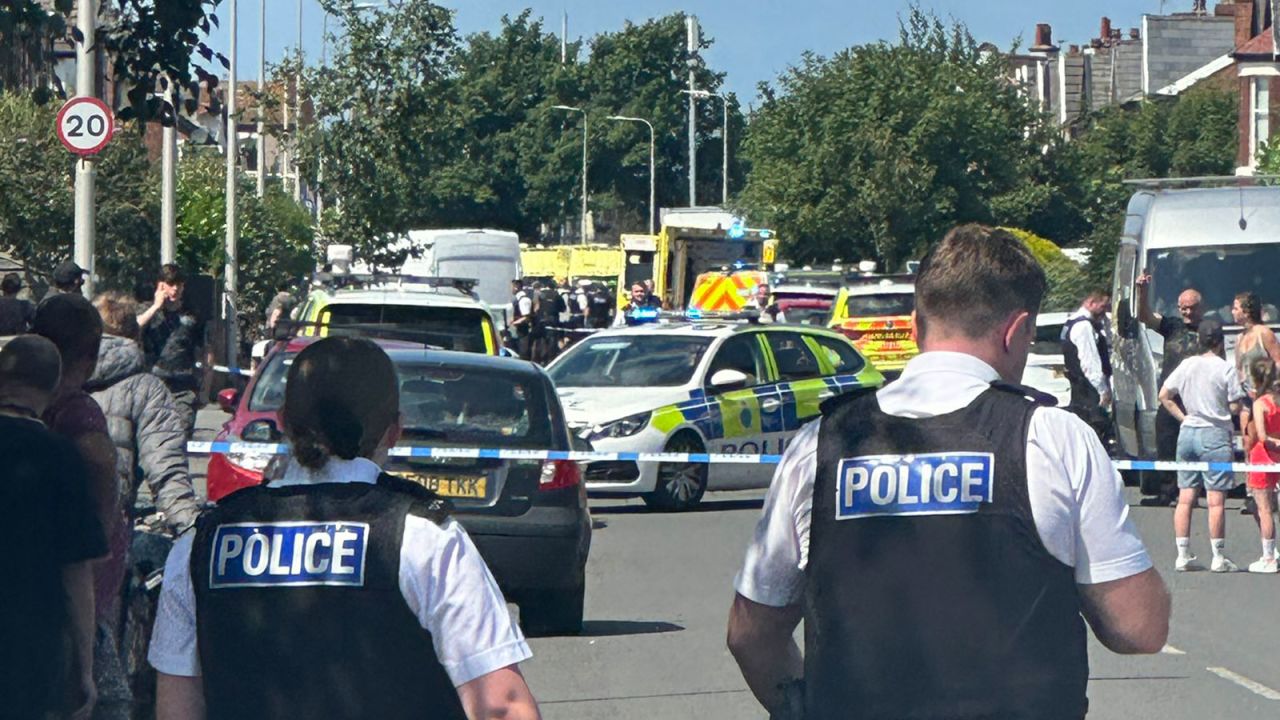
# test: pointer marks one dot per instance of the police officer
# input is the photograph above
(942, 537)
(336, 591)
(521, 326)
(1088, 361)
(640, 300)
(599, 306)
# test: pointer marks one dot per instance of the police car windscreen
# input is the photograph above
(449, 328)
(1219, 272)
(456, 406)
(880, 304)
(631, 361)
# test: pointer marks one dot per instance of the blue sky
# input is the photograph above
(754, 39)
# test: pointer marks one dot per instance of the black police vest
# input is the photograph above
(1082, 391)
(911, 612)
(299, 612)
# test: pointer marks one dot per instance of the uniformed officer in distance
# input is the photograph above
(942, 537)
(337, 591)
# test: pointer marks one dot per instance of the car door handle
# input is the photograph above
(770, 405)
(825, 395)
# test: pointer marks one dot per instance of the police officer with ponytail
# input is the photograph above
(946, 538)
(337, 591)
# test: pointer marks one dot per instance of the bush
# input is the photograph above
(1067, 280)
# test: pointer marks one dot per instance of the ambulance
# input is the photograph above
(875, 313)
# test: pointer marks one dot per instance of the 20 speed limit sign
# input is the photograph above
(85, 125)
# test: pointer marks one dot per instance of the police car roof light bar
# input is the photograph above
(466, 286)
(290, 329)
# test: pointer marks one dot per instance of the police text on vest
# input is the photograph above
(926, 484)
(288, 554)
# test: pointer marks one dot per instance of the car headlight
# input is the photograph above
(625, 427)
(253, 462)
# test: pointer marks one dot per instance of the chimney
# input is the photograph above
(1135, 34)
(1105, 32)
(1244, 22)
(1044, 37)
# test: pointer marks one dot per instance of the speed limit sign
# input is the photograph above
(85, 125)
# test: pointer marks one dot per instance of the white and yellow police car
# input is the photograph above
(699, 387)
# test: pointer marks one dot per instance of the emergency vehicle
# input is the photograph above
(694, 387)
(726, 291)
(692, 241)
(875, 313)
(596, 262)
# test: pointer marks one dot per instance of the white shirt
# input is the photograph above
(1076, 493)
(1085, 339)
(1207, 385)
(524, 303)
(584, 303)
(442, 578)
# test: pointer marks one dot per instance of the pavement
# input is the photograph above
(659, 586)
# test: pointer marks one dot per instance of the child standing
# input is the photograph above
(1265, 451)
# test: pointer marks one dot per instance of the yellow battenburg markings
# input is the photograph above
(740, 414)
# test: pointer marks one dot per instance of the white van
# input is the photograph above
(490, 256)
(1220, 241)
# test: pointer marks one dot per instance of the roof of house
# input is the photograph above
(1264, 45)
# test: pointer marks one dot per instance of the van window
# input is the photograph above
(1219, 272)
(448, 328)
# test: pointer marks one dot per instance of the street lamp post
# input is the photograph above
(651, 164)
(262, 89)
(724, 136)
(230, 280)
(583, 240)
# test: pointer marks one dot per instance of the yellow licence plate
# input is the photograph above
(458, 486)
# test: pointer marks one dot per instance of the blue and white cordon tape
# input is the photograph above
(248, 448)
(228, 370)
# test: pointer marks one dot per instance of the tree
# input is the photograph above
(37, 210)
(275, 234)
(876, 151)
(1067, 281)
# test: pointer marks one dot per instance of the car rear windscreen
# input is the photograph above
(880, 305)
(448, 328)
(473, 407)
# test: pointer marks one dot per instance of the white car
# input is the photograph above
(1046, 370)
(712, 387)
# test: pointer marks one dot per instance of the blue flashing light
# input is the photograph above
(765, 234)
(739, 264)
(693, 313)
(736, 230)
(644, 315)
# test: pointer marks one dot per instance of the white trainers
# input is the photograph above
(1222, 564)
(1183, 564)
(1264, 565)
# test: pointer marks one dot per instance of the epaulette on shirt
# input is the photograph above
(429, 505)
(1030, 393)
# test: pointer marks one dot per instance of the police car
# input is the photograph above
(693, 387)
(875, 313)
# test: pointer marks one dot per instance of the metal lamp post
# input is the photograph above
(652, 177)
(584, 164)
(724, 136)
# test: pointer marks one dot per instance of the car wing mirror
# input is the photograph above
(728, 379)
(228, 399)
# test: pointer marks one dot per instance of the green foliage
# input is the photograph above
(876, 151)
(1067, 280)
(275, 235)
(466, 133)
(37, 210)
(1269, 159)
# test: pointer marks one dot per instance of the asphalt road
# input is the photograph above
(660, 585)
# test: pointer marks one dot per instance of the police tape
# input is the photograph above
(225, 369)
(248, 448)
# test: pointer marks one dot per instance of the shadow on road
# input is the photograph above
(619, 628)
(704, 506)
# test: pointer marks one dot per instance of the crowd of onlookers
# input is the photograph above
(97, 401)
(1207, 404)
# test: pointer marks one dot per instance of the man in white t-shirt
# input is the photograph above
(946, 522)
(1210, 390)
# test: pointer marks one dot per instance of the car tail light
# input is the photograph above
(559, 474)
(852, 334)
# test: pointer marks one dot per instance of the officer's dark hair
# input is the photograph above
(1251, 306)
(171, 274)
(11, 284)
(340, 397)
(72, 323)
(1097, 294)
(974, 279)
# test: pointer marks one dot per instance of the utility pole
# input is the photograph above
(583, 239)
(691, 24)
(168, 182)
(86, 171)
(262, 89)
(230, 311)
(297, 114)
